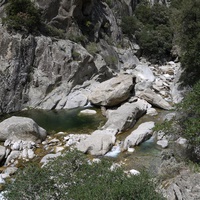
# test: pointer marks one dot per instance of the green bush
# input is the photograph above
(71, 177)
(151, 26)
(190, 121)
(22, 15)
(92, 48)
(156, 43)
(190, 40)
(129, 25)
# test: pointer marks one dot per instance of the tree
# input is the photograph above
(190, 120)
(188, 18)
(22, 15)
(154, 34)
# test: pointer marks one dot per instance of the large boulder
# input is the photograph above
(125, 117)
(21, 128)
(143, 132)
(143, 73)
(154, 99)
(70, 16)
(99, 142)
(112, 92)
(2, 153)
(76, 99)
(177, 90)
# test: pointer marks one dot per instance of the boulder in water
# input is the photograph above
(99, 142)
(113, 91)
(143, 132)
(124, 117)
(21, 128)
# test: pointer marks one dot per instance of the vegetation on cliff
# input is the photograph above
(189, 20)
(22, 15)
(151, 26)
(190, 120)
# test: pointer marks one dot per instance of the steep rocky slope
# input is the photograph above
(40, 71)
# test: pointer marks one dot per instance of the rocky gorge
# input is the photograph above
(52, 73)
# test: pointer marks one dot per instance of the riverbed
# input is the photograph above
(145, 157)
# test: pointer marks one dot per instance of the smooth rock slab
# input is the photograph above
(75, 100)
(143, 132)
(88, 112)
(154, 99)
(163, 143)
(2, 152)
(21, 128)
(10, 170)
(113, 91)
(99, 142)
(152, 112)
(134, 172)
(126, 115)
(144, 73)
(13, 155)
(49, 157)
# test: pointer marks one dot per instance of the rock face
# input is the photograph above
(74, 100)
(16, 59)
(69, 15)
(60, 66)
(154, 99)
(184, 187)
(2, 153)
(40, 72)
(113, 91)
(143, 132)
(126, 115)
(21, 128)
(99, 142)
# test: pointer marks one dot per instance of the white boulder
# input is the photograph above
(143, 132)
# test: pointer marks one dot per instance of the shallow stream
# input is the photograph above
(146, 156)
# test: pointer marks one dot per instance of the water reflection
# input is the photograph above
(63, 120)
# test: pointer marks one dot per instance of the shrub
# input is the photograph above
(129, 25)
(155, 43)
(190, 121)
(71, 177)
(151, 26)
(111, 60)
(53, 32)
(190, 40)
(92, 48)
(22, 15)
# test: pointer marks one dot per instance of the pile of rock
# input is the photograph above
(20, 136)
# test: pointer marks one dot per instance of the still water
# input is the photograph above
(70, 121)
(146, 156)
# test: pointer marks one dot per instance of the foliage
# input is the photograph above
(109, 3)
(32, 183)
(129, 25)
(22, 15)
(165, 126)
(76, 55)
(92, 48)
(156, 43)
(71, 177)
(190, 121)
(151, 26)
(53, 32)
(190, 40)
(110, 60)
(81, 39)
